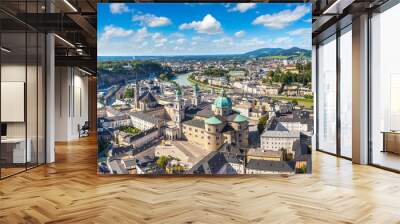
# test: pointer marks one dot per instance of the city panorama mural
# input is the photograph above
(204, 89)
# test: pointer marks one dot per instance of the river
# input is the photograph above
(182, 80)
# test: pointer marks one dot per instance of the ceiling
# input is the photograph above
(73, 21)
(330, 15)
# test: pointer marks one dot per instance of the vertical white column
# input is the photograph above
(50, 92)
(360, 90)
(50, 99)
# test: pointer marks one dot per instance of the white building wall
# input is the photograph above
(71, 102)
(274, 143)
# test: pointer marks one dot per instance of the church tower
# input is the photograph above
(137, 92)
(179, 107)
(196, 99)
(179, 111)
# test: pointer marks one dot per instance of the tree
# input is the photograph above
(215, 72)
(130, 130)
(129, 93)
(162, 161)
(262, 122)
(309, 96)
(270, 74)
(165, 77)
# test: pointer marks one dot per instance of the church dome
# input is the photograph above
(240, 118)
(223, 101)
(213, 121)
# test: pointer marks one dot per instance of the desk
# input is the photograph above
(13, 150)
(391, 141)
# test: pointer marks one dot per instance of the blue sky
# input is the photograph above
(139, 29)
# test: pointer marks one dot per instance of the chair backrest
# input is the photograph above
(86, 125)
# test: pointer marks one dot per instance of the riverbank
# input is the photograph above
(182, 79)
(205, 86)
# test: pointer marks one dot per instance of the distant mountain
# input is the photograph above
(262, 52)
(265, 52)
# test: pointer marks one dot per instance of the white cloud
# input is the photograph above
(254, 42)
(222, 42)
(197, 38)
(151, 20)
(283, 40)
(243, 7)
(181, 41)
(240, 34)
(141, 34)
(113, 31)
(209, 25)
(283, 18)
(299, 32)
(118, 8)
(176, 48)
(177, 35)
(162, 41)
(156, 36)
(159, 38)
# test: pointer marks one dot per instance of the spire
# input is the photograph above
(196, 88)
(136, 93)
(178, 93)
(223, 92)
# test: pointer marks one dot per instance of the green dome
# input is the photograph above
(178, 92)
(223, 101)
(240, 118)
(213, 120)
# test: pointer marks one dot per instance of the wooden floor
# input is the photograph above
(386, 159)
(70, 191)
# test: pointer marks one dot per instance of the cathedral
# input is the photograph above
(210, 125)
(217, 124)
(145, 101)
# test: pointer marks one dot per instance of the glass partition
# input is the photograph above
(346, 92)
(326, 104)
(13, 94)
(385, 89)
(22, 88)
(31, 97)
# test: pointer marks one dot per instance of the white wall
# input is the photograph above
(71, 102)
